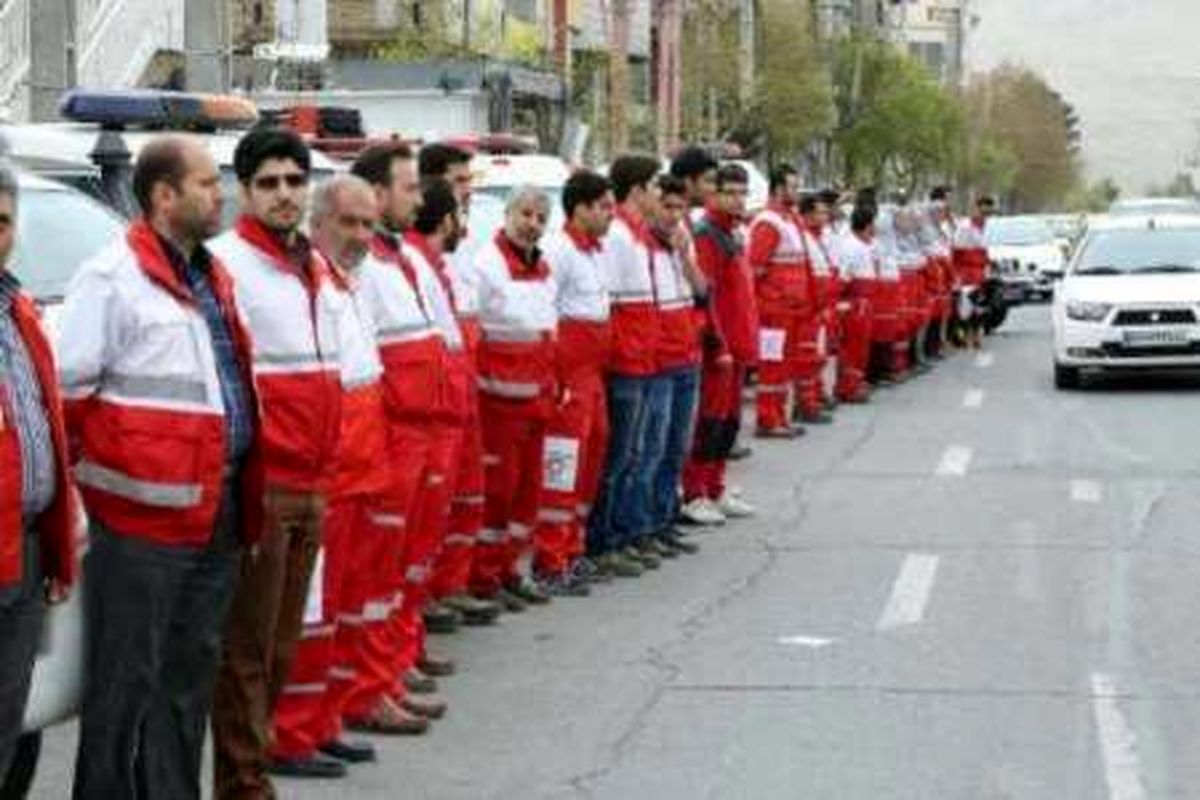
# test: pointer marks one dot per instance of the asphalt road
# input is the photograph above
(974, 587)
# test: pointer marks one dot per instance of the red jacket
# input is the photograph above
(970, 253)
(780, 262)
(56, 526)
(636, 324)
(143, 399)
(723, 259)
(679, 327)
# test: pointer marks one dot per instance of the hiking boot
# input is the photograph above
(473, 610)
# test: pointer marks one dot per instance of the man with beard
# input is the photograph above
(285, 292)
(308, 717)
(159, 397)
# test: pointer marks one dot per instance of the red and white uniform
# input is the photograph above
(309, 711)
(143, 399)
(413, 355)
(577, 434)
(888, 335)
(56, 525)
(860, 275)
(784, 285)
(517, 396)
(970, 253)
(636, 324)
(819, 335)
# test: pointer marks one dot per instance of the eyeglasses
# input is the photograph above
(268, 183)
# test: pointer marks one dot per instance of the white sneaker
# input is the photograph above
(735, 507)
(702, 511)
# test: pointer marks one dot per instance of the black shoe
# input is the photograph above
(317, 765)
(349, 752)
(528, 590)
(739, 451)
(473, 610)
(678, 543)
(565, 586)
(820, 418)
(644, 555)
(661, 548)
(441, 619)
(510, 602)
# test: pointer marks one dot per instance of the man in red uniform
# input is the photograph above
(308, 717)
(783, 282)
(860, 272)
(518, 388)
(450, 583)
(577, 435)
(397, 299)
(817, 339)
(730, 350)
(971, 270)
(37, 507)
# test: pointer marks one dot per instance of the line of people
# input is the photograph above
(301, 453)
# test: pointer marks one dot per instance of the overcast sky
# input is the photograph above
(1130, 67)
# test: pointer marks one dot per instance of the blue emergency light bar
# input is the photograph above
(158, 109)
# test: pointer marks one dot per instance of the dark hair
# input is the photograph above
(264, 144)
(437, 203)
(374, 165)
(988, 201)
(732, 173)
(672, 184)
(939, 193)
(436, 159)
(809, 201)
(779, 176)
(582, 189)
(692, 162)
(829, 197)
(631, 171)
(160, 161)
(862, 218)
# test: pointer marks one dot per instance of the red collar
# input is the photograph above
(153, 259)
(637, 225)
(426, 249)
(301, 260)
(722, 220)
(584, 241)
(518, 265)
(783, 209)
(979, 222)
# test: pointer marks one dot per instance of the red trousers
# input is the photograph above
(375, 595)
(514, 435)
(809, 356)
(783, 357)
(309, 711)
(716, 429)
(855, 350)
(423, 541)
(452, 571)
(576, 440)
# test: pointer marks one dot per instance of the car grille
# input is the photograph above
(1155, 316)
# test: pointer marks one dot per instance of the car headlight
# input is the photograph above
(1084, 311)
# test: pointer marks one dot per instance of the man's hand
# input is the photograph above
(56, 591)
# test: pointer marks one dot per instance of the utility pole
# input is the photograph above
(746, 51)
(51, 56)
(670, 36)
(618, 77)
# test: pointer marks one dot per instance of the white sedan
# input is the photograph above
(1130, 299)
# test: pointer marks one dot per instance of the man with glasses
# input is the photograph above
(285, 293)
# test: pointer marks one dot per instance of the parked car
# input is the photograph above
(1130, 299)
(1026, 256)
(1156, 206)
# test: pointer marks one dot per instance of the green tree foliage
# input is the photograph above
(1094, 198)
(896, 124)
(710, 105)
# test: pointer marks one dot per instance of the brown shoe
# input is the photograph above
(389, 719)
(418, 682)
(436, 666)
(424, 706)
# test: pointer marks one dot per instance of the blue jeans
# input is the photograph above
(626, 399)
(637, 518)
(685, 388)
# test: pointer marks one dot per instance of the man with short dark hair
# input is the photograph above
(732, 349)
(151, 346)
(971, 270)
(285, 293)
(451, 164)
(37, 509)
(577, 434)
(820, 337)
(698, 170)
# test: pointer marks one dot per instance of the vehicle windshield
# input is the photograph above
(57, 230)
(1140, 251)
(1017, 232)
(1166, 205)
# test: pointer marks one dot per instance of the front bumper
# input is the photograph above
(1086, 344)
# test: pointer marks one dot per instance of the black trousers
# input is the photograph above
(154, 617)
(22, 609)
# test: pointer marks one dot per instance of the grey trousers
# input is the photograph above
(154, 617)
(22, 609)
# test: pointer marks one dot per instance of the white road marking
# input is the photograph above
(910, 592)
(985, 360)
(955, 461)
(1086, 491)
(973, 398)
(1118, 743)
(815, 642)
